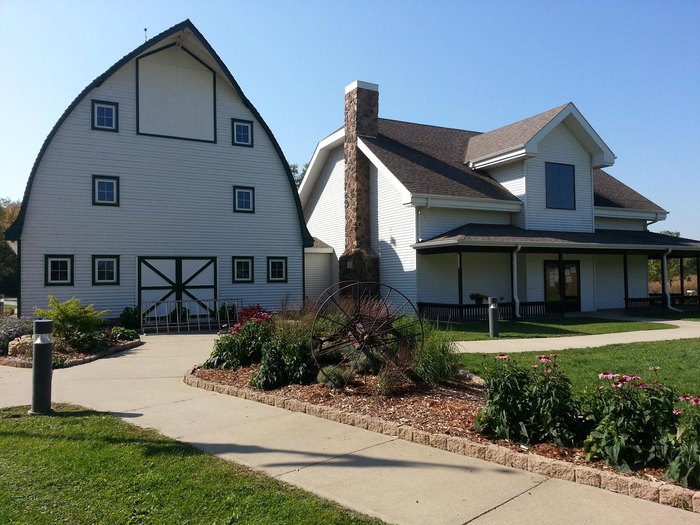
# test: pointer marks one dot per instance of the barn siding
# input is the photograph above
(175, 200)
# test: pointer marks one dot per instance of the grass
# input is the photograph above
(81, 466)
(562, 327)
(690, 315)
(679, 363)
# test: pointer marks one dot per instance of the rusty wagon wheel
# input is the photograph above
(363, 328)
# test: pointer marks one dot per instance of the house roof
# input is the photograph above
(493, 235)
(429, 160)
(510, 136)
(14, 232)
(611, 193)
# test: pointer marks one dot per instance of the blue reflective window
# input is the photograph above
(561, 186)
(105, 115)
(242, 132)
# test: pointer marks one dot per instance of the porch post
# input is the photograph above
(459, 278)
(562, 283)
(625, 271)
(697, 279)
(514, 282)
(682, 280)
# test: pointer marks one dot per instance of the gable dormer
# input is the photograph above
(546, 161)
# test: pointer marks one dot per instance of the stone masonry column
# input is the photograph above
(358, 262)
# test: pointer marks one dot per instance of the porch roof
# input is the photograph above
(494, 237)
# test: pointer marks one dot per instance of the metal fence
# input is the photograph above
(204, 315)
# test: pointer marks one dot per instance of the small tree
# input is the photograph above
(673, 266)
(9, 282)
(298, 177)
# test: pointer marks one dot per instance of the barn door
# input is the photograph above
(178, 288)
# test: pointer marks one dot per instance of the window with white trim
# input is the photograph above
(242, 132)
(277, 269)
(105, 269)
(58, 270)
(105, 115)
(561, 186)
(105, 190)
(243, 199)
(243, 270)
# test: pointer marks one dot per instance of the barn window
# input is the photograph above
(105, 269)
(58, 270)
(105, 190)
(243, 270)
(243, 199)
(105, 115)
(242, 132)
(277, 269)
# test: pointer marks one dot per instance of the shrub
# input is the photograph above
(82, 342)
(335, 376)
(390, 381)
(685, 445)
(130, 317)
(71, 316)
(242, 345)
(12, 328)
(437, 362)
(124, 334)
(285, 360)
(632, 420)
(528, 406)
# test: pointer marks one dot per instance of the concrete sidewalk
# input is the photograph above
(379, 475)
(683, 330)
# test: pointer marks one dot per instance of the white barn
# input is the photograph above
(161, 182)
(524, 213)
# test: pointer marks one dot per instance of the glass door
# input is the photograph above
(572, 284)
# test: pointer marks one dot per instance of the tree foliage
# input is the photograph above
(673, 267)
(298, 177)
(9, 283)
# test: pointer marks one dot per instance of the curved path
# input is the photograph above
(380, 475)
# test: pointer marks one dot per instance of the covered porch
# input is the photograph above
(536, 273)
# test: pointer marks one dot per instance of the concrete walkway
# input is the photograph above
(379, 475)
(683, 330)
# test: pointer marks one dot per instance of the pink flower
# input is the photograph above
(654, 368)
(544, 359)
(695, 401)
(627, 378)
(685, 397)
(501, 357)
(677, 411)
(608, 375)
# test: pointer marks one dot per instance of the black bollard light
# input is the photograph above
(41, 368)
(493, 316)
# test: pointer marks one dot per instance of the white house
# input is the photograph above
(161, 182)
(524, 213)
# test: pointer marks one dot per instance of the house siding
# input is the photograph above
(512, 178)
(609, 223)
(392, 230)
(559, 146)
(175, 200)
(436, 221)
(609, 281)
(318, 272)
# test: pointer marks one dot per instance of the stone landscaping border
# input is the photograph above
(94, 357)
(656, 491)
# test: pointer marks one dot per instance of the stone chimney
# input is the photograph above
(358, 262)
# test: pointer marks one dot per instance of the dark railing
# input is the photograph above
(457, 313)
(205, 315)
(657, 303)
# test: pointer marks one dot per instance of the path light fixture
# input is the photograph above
(41, 368)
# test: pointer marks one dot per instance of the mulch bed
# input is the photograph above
(449, 409)
(70, 359)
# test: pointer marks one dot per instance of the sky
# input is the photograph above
(631, 67)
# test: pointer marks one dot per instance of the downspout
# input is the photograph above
(667, 293)
(516, 299)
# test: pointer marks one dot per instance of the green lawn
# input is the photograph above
(679, 363)
(86, 467)
(562, 327)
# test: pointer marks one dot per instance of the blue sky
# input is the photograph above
(632, 68)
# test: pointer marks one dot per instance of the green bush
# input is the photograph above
(631, 422)
(685, 445)
(335, 376)
(124, 334)
(130, 317)
(71, 316)
(81, 342)
(285, 360)
(390, 381)
(437, 362)
(528, 406)
(241, 347)
(11, 328)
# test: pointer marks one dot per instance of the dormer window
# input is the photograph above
(561, 187)
(242, 132)
(105, 115)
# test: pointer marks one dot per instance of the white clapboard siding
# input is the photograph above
(393, 231)
(637, 275)
(609, 281)
(610, 223)
(437, 278)
(559, 146)
(325, 209)
(436, 221)
(176, 199)
(512, 178)
(318, 272)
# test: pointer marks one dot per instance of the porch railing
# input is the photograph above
(479, 312)
(657, 303)
(205, 315)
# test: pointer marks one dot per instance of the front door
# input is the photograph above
(572, 284)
